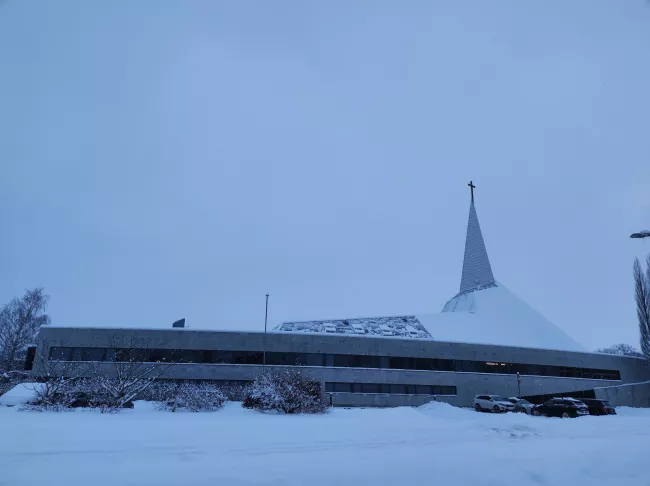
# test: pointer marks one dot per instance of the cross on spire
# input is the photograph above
(471, 188)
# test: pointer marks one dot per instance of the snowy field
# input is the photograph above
(435, 444)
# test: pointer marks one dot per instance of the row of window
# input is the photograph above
(330, 360)
(390, 388)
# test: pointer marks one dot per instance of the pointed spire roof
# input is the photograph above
(477, 271)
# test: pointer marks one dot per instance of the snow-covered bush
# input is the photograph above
(234, 391)
(58, 394)
(63, 393)
(127, 377)
(287, 391)
(193, 397)
(10, 379)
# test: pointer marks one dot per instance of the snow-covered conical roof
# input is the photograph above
(484, 311)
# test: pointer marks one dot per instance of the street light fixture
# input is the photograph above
(641, 234)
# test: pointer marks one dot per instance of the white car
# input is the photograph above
(521, 404)
(492, 403)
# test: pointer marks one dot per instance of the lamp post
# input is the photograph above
(518, 385)
(266, 318)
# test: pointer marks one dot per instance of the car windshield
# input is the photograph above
(497, 398)
(524, 402)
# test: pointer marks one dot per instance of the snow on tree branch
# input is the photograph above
(20, 321)
(642, 297)
(621, 350)
(126, 375)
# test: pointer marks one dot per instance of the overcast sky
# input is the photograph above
(167, 159)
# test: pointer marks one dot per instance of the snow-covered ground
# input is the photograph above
(435, 444)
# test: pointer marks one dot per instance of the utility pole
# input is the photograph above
(266, 318)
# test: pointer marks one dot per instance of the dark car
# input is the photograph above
(598, 407)
(561, 407)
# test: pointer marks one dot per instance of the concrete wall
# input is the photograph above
(468, 384)
(628, 395)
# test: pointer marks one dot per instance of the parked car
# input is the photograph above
(561, 407)
(492, 403)
(521, 404)
(598, 407)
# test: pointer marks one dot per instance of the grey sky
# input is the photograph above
(179, 159)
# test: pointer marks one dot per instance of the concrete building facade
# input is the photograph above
(356, 370)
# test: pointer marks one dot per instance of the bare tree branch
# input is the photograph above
(126, 374)
(20, 321)
(54, 373)
(642, 297)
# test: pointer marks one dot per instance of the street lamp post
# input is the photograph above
(266, 318)
(518, 385)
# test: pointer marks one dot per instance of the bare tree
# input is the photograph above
(56, 375)
(126, 374)
(20, 321)
(621, 350)
(642, 297)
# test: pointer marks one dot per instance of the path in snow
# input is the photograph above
(234, 446)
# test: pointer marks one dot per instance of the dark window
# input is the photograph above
(253, 357)
(341, 360)
(370, 361)
(225, 357)
(445, 365)
(315, 359)
(342, 387)
(410, 389)
(370, 388)
(60, 354)
(354, 361)
(425, 364)
(93, 354)
(239, 357)
(189, 356)
(397, 363)
(395, 389)
(29, 359)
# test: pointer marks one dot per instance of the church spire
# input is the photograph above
(477, 271)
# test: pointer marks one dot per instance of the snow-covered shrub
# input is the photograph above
(10, 379)
(63, 393)
(60, 394)
(233, 391)
(193, 397)
(287, 391)
(120, 383)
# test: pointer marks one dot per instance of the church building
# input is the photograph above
(486, 340)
